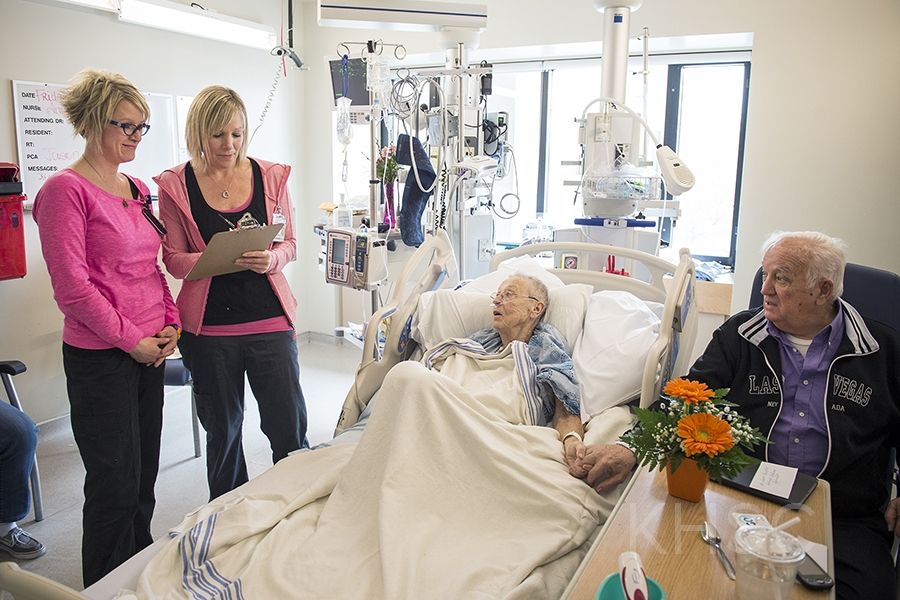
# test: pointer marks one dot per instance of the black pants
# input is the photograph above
(117, 421)
(863, 565)
(218, 364)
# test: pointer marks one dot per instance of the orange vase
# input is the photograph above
(688, 482)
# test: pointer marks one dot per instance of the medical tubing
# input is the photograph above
(511, 213)
(442, 216)
(279, 67)
(467, 173)
(345, 75)
(624, 107)
(412, 154)
(404, 103)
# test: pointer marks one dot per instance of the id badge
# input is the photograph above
(278, 217)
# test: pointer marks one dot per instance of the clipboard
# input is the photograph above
(227, 246)
(803, 486)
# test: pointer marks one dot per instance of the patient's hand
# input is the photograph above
(604, 466)
(574, 450)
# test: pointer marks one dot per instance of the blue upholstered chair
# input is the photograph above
(8, 369)
(177, 375)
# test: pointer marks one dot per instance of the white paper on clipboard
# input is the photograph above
(227, 246)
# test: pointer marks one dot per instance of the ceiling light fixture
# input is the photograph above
(107, 5)
(193, 20)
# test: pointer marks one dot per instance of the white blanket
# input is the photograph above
(446, 495)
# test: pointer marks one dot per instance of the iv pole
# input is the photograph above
(373, 47)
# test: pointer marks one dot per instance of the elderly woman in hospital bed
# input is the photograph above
(457, 488)
(518, 309)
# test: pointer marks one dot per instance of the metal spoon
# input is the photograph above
(711, 536)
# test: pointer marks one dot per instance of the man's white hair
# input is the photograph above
(823, 256)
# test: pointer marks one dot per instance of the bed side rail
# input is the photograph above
(669, 355)
(656, 266)
(25, 585)
(386, 339)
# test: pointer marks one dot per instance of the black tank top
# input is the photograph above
(244, 296)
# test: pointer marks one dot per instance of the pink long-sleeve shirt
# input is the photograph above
(103, 262)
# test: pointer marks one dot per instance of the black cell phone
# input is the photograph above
(812, 576)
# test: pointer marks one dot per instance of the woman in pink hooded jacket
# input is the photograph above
(237, 323)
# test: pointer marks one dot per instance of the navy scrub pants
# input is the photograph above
(117, 421)
(18, 439)
(217, 365)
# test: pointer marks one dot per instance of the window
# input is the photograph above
(570, 90)
(697, 107)
(710, 100)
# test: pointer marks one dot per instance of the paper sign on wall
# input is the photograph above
(45, 139)
(47, 143)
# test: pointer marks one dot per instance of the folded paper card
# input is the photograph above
(784, 485)
(227, 246)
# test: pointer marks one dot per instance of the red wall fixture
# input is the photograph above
(12, 223)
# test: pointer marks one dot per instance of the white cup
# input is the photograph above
(766, 562)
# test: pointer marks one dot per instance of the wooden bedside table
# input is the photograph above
(665, 531)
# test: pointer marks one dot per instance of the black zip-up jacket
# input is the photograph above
(862, 399)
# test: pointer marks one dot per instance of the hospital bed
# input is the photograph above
(259, 518)
(390, 329)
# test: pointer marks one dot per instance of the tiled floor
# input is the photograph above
(327, 371)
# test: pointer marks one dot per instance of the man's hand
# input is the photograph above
(892, 516)
(604, 466)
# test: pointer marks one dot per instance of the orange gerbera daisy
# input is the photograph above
(702, 433)
(688, 391)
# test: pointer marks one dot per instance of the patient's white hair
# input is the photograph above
(823, 256)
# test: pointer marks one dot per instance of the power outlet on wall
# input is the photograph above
(485, 250)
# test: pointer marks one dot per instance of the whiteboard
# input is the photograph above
(47, 143)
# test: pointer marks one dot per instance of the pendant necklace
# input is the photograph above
(225, 193)
(102, 178)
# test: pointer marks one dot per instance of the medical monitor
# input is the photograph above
(356, 88)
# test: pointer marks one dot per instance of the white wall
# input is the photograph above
(813, 158)
(49, 42)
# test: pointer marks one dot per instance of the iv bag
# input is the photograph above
(344, 130)
(378, 74)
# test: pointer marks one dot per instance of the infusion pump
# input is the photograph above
(354, 258)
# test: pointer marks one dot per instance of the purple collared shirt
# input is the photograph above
(800, 436)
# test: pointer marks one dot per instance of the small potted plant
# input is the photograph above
(695, 434)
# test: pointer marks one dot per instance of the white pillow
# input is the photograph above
(609, 357)
(520, 265)
(453, 314)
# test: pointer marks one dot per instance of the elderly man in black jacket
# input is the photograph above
(823, 384)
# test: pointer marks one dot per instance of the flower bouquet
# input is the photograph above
(695, 423)
(386, 169)
(386, 165)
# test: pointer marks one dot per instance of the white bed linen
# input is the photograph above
(443, 497)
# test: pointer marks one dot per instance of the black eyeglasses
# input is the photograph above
(507, 296)
(147, 211)
(129, 129)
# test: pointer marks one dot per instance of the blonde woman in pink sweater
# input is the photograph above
(240, 324)
(100, 241)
